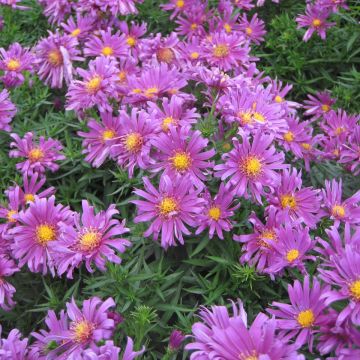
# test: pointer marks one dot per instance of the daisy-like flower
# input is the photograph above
(170, 208)
(217, 212)
(253, 29)
(305, 312)
(7, 268)
(251, 166)
(176, 6)
(133, 33)
(7, 110)
(119, 7)
(13, 347)
(222, 336)
(14, 62)
(79, 28)
(97, 87)
(192, 24)
(56, 10)
(106, 44)
(347, 211)
(293, 202)
(55, 55)
(333, 5)
(181, 154)
(350, 155)
(315, 19)
(37, 227)
(134, 141)
(319, 104)
(92, 239)
(227, 51)
(39, 156)
(100, 139)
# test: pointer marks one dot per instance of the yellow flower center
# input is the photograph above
(94, 84)
(267, 234)
(10, 216)
(76, 32)
(292, 255)
(181, 161)
(55, 58)
(193, 26)
(251, 166)
(259, 117)
(131, 41)
(180, 4)
(215, 213)
(278, 99)
(316, 22)
(336, 152)
(288, 201)
(29, 197)
(306, 146)
(108, 134)
(151, 92)
(82, 331)
(133, 142)
(227, 28)
(167, 206)
(246, 356)
(107, 51)
(338, 211)
(194, 55)
(122, 76)
(249, 30)
(137, 91)
(289, 136)
(90, 240)
(355, 290)
(13, 65)
(339, 130)
(245, 117)
(35, 154)
(45, 233)
(306, 318)
(165, 55)
(221, 51)
(325, 107)
(167, 122)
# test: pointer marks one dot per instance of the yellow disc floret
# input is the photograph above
(45, 233)
(306, 318)
(181, 161)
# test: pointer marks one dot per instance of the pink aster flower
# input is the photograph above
(176, 339)
(56, 10)
(13, 347)
(222, 336)
(170, 208)
(319, 104)
(315, 19)
(39, 156)
(192, 24)
(217, 212)
(134, 141)
(100, 139)
(37, 226)
(243, 4)
(181, 154)
(305, 312)
(7, 268)
(9, 212)
(251, 166)
(133, 33)
(293, 202)
(55, 55)
(14, 62)
(176, 6)
(97, 87)
(119, 7)
(253, 29)
(7, 110)
(350, 155)
(79, 28)
(227, 51)
(91, 239)
(333, 5)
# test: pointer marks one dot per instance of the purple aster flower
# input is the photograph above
(92, 239)
(176, 6)
(119, 7)
(133, 34)
(293, 202)
(305, 312)
(7, 110)
(97, 87)
(350, 155)
(79, 28)
(253, 29)
(55, 55)
(333, 5)
(108, 351)
(319, 104)
(56, 10)
(134, 140)
(7, 268)
(181, 154)
(13, 347)
(176, 340)
(39, 156)
(129, 353)
(192, 24)
(243, 4)
(175, 204)
(37, 226)
(100, 139)
(217, 212)
(251, 166)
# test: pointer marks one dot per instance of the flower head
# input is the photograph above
(7, 268)
(7, 110)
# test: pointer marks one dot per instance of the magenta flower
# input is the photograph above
(9, 212)
(7, 110)
(37, 227)
(350, 155)
(176, 340)
(56, 10)
(192, 24)
(39, 157)
(133, 34)
(170, 208)
(91, 239)
(7, 268)
(13, 347)
(107, 351)
(217, 212)
(176, 6)
(251, 166)
(181, 154)
(319, 104)
(305, 312)
(79, 28)
(119, 7)
(293, 202)
(253, 29)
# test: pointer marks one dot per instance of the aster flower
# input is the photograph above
(319, 104)
(55, 55)
(315, 19)
(39, 156)
(293, 202)
(176, 339)
(97, 86)
(134, 140)
(119, 7)
(191, 51)
(37, 227)
(243, 4)
(7, 268)
(176, 6)
(217, 212)
(305, 312)
(222, 336)
(10, 211)
(251, 166)
(133, 34)
(253, 29)
(7, 110)
(181, 154)
(13, 347)
(170, 208)
(92, 239)
(191, 24)
(107, 351)
(100, 139)
(79, 28)
(56, 10)
(333, 5)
